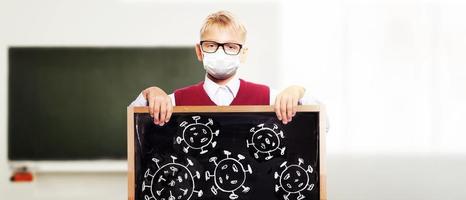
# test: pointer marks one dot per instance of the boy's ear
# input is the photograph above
(198, 52)
(243, 55)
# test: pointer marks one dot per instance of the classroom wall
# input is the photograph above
(393, 76)
(118, 23)
(392, 72)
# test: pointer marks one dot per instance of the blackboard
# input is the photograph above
(231, 152)
(65, 103)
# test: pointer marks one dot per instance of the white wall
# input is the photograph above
(393, 73)
(393, 76)
(119, 23)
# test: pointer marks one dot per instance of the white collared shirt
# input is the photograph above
(221, 95)
(224, 95)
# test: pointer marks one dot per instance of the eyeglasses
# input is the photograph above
(228, 48)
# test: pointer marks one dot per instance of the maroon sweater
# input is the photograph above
(248, 94)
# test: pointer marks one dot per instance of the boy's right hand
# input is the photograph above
(160, 105)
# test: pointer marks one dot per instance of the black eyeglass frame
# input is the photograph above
(222, 45)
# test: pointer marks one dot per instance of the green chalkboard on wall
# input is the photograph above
(68, 103)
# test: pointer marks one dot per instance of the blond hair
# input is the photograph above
(223, 19)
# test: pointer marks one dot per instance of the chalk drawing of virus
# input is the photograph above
(171, 181)
(229, 175)
(294, 179)
(266, 141)
(197, 135)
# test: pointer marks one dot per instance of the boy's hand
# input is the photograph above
(286, 103)
(160, 105)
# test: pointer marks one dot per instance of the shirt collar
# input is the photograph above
(211, 87)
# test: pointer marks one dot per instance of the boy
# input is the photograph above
(221, 50)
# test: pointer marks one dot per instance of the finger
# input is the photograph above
(151, 106)
(295, 106)
(277, 108)
(283, 102)
(156, 111)
(169, 111)
(163, 112)
(289, 108)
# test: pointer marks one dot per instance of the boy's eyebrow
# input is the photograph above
(228, 41)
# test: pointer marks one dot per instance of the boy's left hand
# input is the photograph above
(286, 103)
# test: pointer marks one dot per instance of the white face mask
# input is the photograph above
(220, 65)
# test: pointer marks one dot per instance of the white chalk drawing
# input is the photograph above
(265, 141)
(196, 135)
(294, 179)
(171, 181)
(229, 175)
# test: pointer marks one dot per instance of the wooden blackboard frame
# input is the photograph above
(225, 109)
